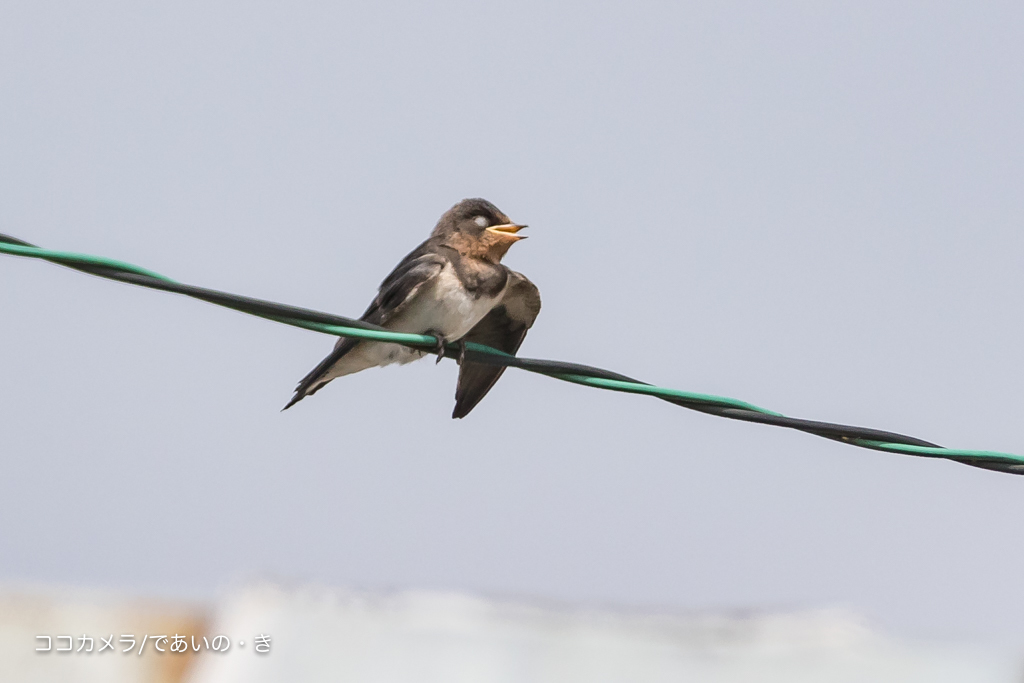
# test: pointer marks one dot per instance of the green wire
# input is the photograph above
(930, 451)
(61, 257)
(64, 258)
(661, 392)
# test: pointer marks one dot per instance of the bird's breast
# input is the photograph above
(447, 306)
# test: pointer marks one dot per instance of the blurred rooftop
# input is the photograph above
(324, 634)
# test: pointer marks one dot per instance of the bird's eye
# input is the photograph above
(481, 221)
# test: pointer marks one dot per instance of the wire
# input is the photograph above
(586, 375)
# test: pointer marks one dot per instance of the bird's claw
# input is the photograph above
(439, 348)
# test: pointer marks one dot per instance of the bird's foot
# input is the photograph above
(439, 348)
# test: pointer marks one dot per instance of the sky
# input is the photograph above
(812, 207)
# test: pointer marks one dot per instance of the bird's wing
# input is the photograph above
(503, 328)
(398, 288)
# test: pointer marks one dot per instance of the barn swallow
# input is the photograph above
(452, 287)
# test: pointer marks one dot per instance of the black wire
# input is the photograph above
(828, 430)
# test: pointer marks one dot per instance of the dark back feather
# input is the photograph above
(503, 328)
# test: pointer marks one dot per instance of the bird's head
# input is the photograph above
(477, 228)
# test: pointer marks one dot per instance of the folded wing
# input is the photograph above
(397, 290)
(503, 328)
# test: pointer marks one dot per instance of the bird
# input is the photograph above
(452, 287)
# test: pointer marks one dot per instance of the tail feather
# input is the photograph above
(312, 383)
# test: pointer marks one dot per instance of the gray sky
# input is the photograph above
(813, 208)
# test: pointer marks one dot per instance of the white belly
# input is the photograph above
(442, 305)
(445, 306)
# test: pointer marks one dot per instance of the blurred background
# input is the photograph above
(813, 208)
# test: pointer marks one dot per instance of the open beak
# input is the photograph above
(508, 230)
